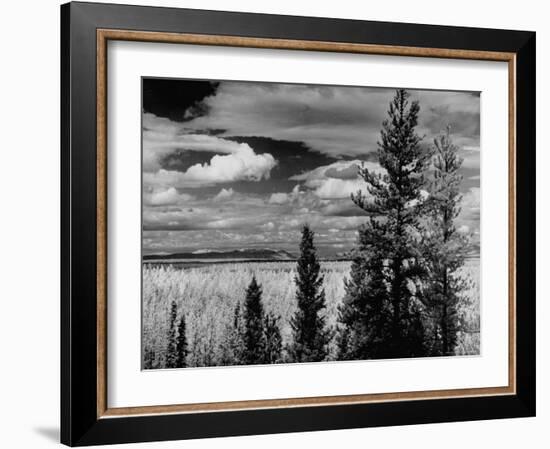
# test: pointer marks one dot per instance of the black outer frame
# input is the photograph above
(79, 423)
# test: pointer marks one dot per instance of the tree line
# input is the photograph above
(402, 292)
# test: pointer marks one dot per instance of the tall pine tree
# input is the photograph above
(445, 247)
(171, 349)
(310, 337)
(254, 341)
(380, 316)
(181, 344)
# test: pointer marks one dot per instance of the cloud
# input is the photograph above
(224, 194)
(459, 110)
(165, 197)
(349, 172)
(332, 188)
(242, 163)
(283, 198)
(232, 161)
(343, 208)
(471, 200)
(331, 120)
(470, 157)
(470, 209)
(337, 180)
(338, 170)
(279, 198)
(270, 226)
(282, 155)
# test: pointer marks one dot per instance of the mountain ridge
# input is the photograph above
(207, 254)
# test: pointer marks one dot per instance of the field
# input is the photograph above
(207, 295)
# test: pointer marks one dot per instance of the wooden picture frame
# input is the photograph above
(85, 417)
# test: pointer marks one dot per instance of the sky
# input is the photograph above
(234, 165)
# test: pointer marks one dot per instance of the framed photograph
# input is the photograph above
(280, 224)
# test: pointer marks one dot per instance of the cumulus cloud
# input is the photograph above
(332, 188)
(337, 180)
(165, 197)
(242, 163)
(283, 198)
(279, 198)
(224, 194)
(349, 172)
(233, 161)
(338, 170)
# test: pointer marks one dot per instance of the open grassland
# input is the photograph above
(207, 295)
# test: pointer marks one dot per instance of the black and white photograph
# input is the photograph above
(294, 223)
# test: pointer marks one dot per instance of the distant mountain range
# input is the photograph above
(232, 254)
(251, 254)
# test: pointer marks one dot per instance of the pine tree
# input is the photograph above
(171, 349)
(381, 314)
(181, 344)
(232, 347)
(445, 248)
(365, 314)
(273, 340)
(310, 337)
(254, 341)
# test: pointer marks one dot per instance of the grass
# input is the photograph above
(207, 295)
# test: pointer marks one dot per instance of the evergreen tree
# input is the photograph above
(310, 337)
(445, 248)
(365, 314)
(232, 347)
(171, 349)
(381, 314)
(181, 344)
(254, 341)
(273, 340)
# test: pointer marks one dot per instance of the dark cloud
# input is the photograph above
(181, 160)
(173, 98)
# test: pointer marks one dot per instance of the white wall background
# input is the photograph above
(29, 224)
